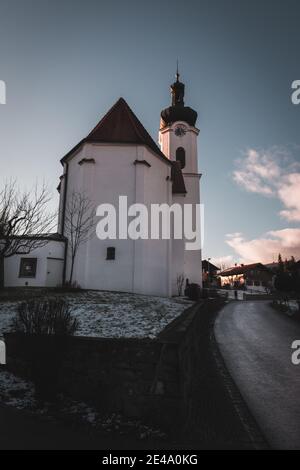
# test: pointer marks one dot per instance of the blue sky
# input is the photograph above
(66, 62)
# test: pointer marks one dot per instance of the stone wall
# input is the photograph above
(258, 296)
(148, 379)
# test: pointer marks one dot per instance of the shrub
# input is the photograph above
(49, 316)
(193, 292)
(45, 324)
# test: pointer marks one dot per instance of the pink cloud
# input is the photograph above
(266, 248)
(289, 194)
(223, 262)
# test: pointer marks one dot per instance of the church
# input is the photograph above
(119, 157)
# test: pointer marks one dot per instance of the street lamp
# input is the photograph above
(208, 268)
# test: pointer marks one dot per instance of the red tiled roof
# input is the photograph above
(243, 269)
(120, 125)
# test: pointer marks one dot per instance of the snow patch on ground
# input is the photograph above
(113, 314)
(7, 312)
(16, 392)
(293, 304)
(125, 315)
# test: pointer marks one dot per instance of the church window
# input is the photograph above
(180, 156)
(111, 253)
(28, 267)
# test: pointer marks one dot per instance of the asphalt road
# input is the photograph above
(255, 342)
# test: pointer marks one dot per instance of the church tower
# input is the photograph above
(178, 134)
(178, 141)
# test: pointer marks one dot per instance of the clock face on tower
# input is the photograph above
(180, 131)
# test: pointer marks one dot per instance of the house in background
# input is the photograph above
(272, 266)
(209, 273)
(256, 277)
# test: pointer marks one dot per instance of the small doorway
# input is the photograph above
(54, 272)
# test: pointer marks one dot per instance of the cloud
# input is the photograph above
(267, 248)
(234, 235)
(272, 173)
(289, 194)
(223, 262)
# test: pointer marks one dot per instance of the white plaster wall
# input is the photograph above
(169, 143)
(140, 266)
(184, 261)
(177, 251)
(55, 268)
(52, 249)
(188, 262)
(192, 258)
(158, 253)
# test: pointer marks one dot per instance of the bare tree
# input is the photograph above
(79, 224)
(24, 221)
(224, 266)
(180, 282)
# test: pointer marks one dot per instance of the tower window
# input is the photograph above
(180, 156)
(111, 253)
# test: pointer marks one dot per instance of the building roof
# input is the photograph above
(207, 266)
(42, 236)
(178, 113)
(243, 269)
(272, 266)
(120, 126)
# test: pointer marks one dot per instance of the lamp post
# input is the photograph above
(208, 269)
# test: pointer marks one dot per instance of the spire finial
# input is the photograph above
(177, 72)
(177, 90)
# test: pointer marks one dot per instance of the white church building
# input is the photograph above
(119, 157)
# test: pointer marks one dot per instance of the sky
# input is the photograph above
(66, 62)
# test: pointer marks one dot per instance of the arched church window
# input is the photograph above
(180, 156)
